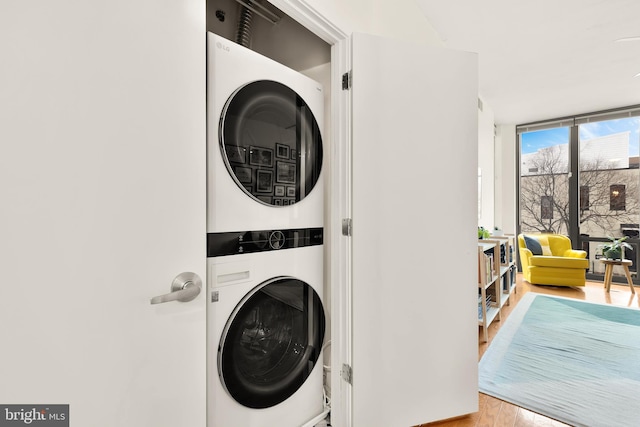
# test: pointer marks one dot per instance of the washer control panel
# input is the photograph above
(242, 242)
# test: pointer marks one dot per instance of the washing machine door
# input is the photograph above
(271, 342)
(271, 143)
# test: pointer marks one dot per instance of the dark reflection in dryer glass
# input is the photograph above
(272, 343)
(271, 143)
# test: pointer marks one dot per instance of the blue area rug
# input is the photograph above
(573, 361)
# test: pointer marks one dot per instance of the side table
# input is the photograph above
(608, 271)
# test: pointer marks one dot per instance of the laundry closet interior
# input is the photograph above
(267, 141)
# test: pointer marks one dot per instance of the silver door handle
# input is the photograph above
(185, 287)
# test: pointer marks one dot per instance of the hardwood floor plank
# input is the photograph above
(491, 410)
(507, 415)
(542, 421)
(525, 418)
(445, 423)
(469, 420)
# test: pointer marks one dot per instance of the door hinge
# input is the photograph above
(346, 81)
(347, 227)
(347, 373)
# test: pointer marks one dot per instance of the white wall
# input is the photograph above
(348, 15)
(497, 160)
(486, 163)
(505, 198)
(401, 19)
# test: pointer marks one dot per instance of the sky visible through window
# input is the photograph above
(533, 141)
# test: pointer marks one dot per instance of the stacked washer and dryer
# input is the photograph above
(266, 320)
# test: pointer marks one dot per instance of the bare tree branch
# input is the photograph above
(549, 177)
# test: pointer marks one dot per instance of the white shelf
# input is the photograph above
(486, 246)
(491, 282)
(492, 313)
(504, 269)
(493, 248)
(505, 298)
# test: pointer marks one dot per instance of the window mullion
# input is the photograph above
(574, 185)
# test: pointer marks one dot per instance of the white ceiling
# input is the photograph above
(544, 59)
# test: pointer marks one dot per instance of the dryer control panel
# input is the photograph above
(242, 242)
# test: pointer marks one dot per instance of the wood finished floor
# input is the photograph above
(496, 413)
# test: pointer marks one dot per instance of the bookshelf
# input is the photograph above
(496, 278)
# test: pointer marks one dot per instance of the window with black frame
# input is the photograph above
(579, 176)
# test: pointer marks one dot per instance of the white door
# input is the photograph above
(102, 189)
(414, 208)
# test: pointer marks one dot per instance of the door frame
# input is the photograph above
(338, 202)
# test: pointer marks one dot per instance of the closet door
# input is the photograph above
(102, 181)
(414, 206)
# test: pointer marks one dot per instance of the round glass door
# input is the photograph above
(271, 342)
(271, 143)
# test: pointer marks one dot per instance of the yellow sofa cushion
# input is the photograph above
(559, 262)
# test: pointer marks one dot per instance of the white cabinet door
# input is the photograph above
(414, 206)
(102, 189)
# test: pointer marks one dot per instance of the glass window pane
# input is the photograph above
(544, 184)
(609, 168)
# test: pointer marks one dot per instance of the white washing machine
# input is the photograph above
(264, 147)
(266, 325)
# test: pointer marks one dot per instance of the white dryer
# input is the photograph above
(264, 146)
(266, 325)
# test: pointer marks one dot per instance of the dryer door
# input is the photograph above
(271, 143)
(271, 342)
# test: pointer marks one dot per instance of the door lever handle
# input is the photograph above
(185, 287)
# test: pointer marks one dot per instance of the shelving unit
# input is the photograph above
(496, 278)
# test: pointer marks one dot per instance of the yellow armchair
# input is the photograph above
(552, 261)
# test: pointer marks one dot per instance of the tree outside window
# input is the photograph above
(597, 213)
